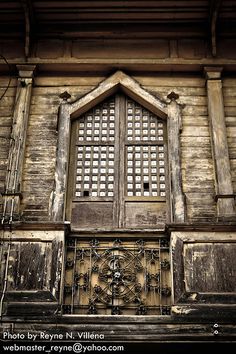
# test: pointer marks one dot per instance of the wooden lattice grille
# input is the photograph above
(95, 163)
(119, 154)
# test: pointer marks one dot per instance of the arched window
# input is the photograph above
(118, 169)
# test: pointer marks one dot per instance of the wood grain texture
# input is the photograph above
(225, 206)
(40, 156)
(230, 120)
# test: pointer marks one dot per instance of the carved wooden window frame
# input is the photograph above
(69, 111)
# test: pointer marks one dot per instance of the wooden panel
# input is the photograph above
(204, 268)
(120, 49)
(210, 267)
(144, 215)
(92, 214)
(29, 266)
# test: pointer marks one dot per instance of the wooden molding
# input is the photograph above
(117, 81)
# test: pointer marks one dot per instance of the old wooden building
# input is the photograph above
(118, 168)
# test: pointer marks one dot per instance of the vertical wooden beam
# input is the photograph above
(58, 196)
(29, 20)
(17, 143)
(176, 194)
(214, 13)
(223, 180)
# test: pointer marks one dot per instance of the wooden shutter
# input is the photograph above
(117, 167)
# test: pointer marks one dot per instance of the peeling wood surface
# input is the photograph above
(6, 116)
(210, 267)
(196, 160)
(178, 212)
(204, 268)
(35, 264)
(223, 182)
(230, 119)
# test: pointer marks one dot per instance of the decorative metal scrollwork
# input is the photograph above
(120, 277)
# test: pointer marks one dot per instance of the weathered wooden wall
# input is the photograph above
(229, 91)
(40, 158)
(197, 166)
(6, 115)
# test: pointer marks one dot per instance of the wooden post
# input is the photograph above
(57, 207)
(176, 193)
(12, 193)
(223, 181)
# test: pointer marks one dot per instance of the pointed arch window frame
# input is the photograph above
(169, 111)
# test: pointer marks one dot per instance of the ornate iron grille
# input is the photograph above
(117, 277)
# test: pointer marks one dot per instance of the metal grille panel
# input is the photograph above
(117, 277)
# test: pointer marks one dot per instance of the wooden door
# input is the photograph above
(117, 167)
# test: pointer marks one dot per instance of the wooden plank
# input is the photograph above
(172, 81)
(197, 131)
(38, 109)
(68, 81)
(228, 83)
(182, 91)
(11, 92)
(45, 100)
(226, 206)
(195, 111)
(230, 121)
(5, 121)
(5, 131)
(6, 110)
(7, 101)
(185, 100)
(230, 111)
(176, 192)
(5, 80)
(195, 154)
(231, 131)
(193, 121)
(57, 90)
(195, 141)
(230, 101)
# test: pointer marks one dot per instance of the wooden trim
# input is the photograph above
(109, 86)
(11, 208)
(216, 227)
(122, 124)
(43, 226)
(223, 180)
(214, 14)
(58, 195)
(177, 200)
(219, 196)
(70, 111)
